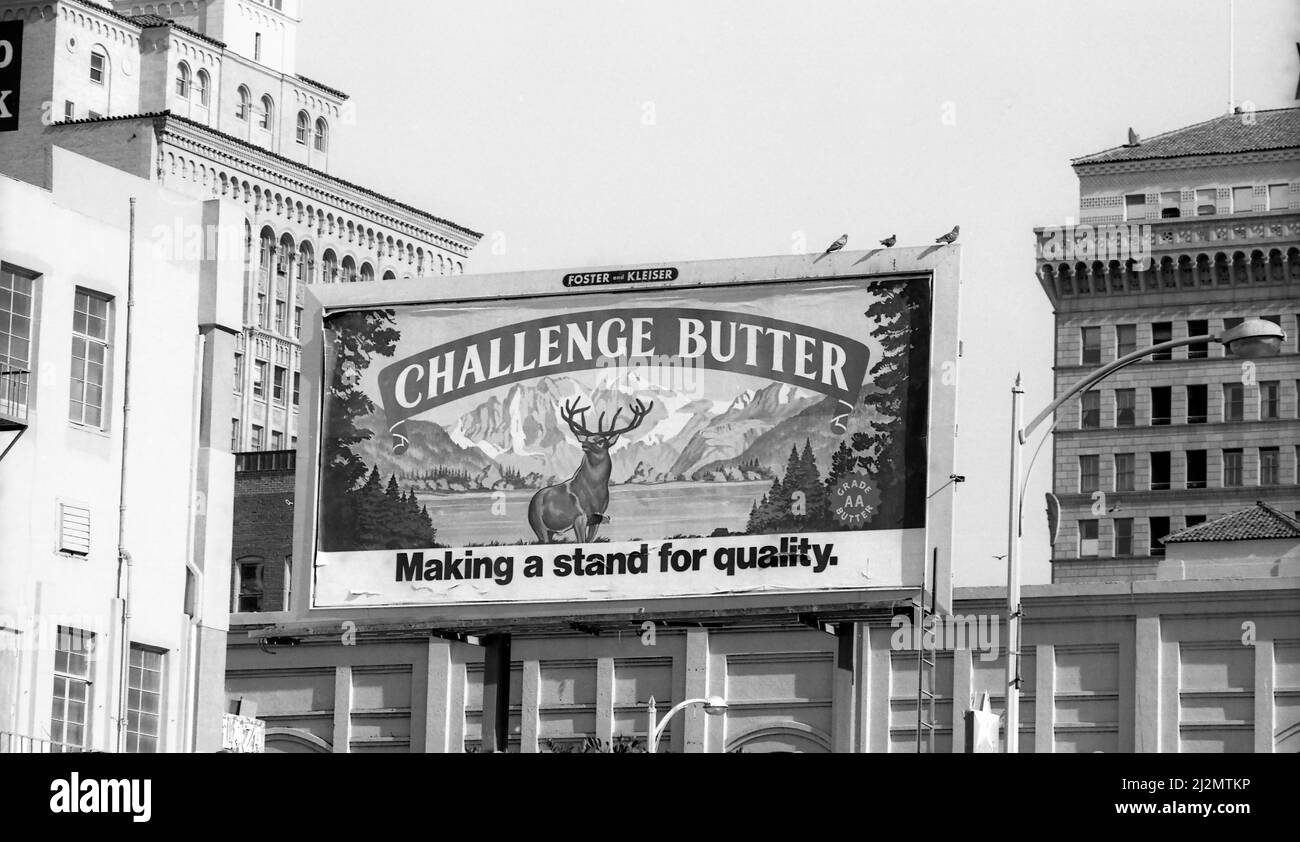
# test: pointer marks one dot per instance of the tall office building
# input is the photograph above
(117, 523)
(1181, 235)
(205, 99)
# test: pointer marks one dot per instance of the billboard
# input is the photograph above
(11, 71)
(587, 445)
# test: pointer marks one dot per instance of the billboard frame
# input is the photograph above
(937, 265)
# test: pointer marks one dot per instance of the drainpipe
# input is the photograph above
(124, 560)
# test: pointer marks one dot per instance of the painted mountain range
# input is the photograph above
(519, 440)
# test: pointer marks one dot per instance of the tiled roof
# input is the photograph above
(1261, 522)
(151, 21)
(326, 88)
(279, 158)
(1230, 133)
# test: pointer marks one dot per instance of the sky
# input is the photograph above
(598, 132)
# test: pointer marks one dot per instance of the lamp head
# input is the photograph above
(715, 705)
(1253, 338)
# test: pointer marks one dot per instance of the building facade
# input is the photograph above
(197, 111)
(1181, 235)
(204, 98)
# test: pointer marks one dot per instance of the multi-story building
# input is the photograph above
(113, 629)
(204, 98)
(1181, 235)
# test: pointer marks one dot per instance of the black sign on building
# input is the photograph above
(11, 71)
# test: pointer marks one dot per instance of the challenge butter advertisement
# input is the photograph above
(727, 440)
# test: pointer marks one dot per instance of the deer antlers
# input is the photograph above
(576, 419)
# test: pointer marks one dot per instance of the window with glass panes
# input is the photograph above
(257, 437)
(1199, 350)
(1234, 402)
(1196, 468)
(239, 374)
(1126, 340)
(1124, 536)
(1270, 393)
(1232, 468)
(71, 700)
(1125, 407)
(1270, 465)
(1159, 527)
(1090, 406)
(1198, 403)
(15, 329)
(1162, 332)
(1160, 462)
(144, 701)
(297, 388)
(1124, 471)
(259, 379)
(1091, 341)
(1089, 473)
(277, 385)
(1087, 539)
(89, 359)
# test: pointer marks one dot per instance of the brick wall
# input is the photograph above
(264, 527)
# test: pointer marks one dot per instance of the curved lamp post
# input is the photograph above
(1251, 339)
(713, 706)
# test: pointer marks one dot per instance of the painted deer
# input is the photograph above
(579, 504)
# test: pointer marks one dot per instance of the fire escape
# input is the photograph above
(13, 408)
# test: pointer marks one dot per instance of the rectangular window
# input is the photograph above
(1161, 403)
(1230, 323)
(297, 323)
(1091, 337)
(249, 590)
(1196, 468)
(1089, 474)
(144, 701)
(69, 110)
(70, 711)
(98, 62)
(261, 310)
(1234, 402)
(1090, 403)
(1170, 205)
(1200, 350)
(1193, 520)
(1124, 471)
(1270, 464)
(277, 440)
(1277, 197)
(1232, 468)
(1160, 471)
(277, 385)
(239, 374)
(1198, 404)
(89, 359)
(1205, 202)
(1270, 408)
(1123, 536)
(281, 316)
(15, 337)
(1135, 207)
(257, 46)
(297, 389)
(1087, 539)
(1242, 199)
(74, 530)
(1126, 340)
(1162, 332)
(1125, 407)
(1159, 532)
(259, 379)
(257, 437)
(234, 435)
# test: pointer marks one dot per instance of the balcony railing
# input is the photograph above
(18, 744)
(14, 387)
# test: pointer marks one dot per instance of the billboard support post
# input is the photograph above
(496, 693)
(1013, 578)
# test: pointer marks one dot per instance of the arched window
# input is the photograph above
(349, 270)
(322, 135)
(390, 276)
(268, 113)
(367, 273)
(306, 263)
(304, 127)
(183, 80)
(205, 85)
(245, 103)
(329, 267)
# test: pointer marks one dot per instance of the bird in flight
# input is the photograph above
(889, 241)
(950, 237)
(838, 245)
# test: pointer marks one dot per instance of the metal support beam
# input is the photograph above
(496, 693)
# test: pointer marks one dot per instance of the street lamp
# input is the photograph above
(1252, 339)
(713, 706)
